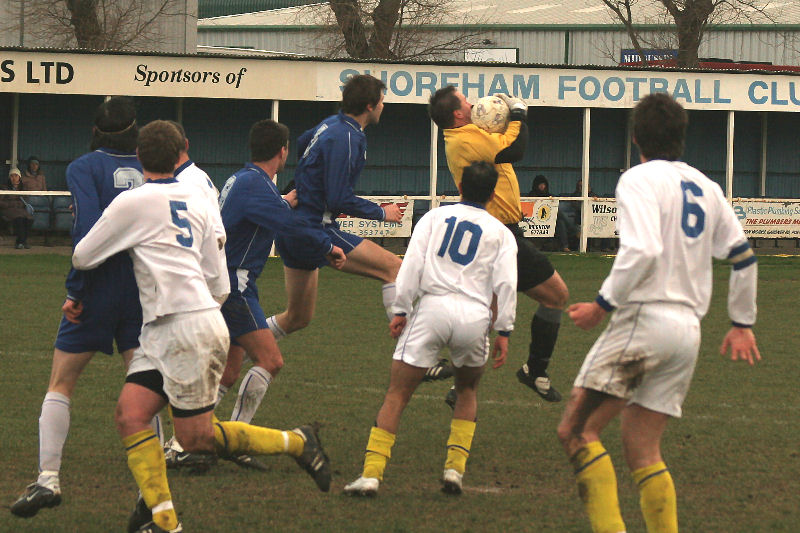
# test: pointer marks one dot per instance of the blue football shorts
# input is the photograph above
(242, 311)
(111, 312)
(300, 257)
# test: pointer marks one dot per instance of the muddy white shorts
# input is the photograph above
(189, 350)
(646, 355)
(451, 320)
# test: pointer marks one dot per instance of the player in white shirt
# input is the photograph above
(169, 229)
(672, 220)
(460, 269)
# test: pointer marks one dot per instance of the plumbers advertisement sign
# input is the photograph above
(773, 219)
(283, 79)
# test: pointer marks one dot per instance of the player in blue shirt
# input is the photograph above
(102, 305)
(332, 156)
(253, 212)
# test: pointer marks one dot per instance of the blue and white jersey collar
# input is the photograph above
(350, 121)
(164, 181)
(473, 204)
(113, 152)
(183, 167)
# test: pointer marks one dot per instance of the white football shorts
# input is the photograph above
(451, 320)
(189, 350)
(646, 355)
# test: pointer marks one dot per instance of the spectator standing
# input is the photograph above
(14, 209)
(33, 178)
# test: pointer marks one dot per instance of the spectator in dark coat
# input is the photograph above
(15, 210)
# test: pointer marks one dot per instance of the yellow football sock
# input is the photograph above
(146, 462)
(459, 443)
(597, 487)
(236, 438)
(657, 498)
(379, 450)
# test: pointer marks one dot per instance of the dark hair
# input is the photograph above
(478, 182)
(179, 127)
(441, 106)
(659, 127)
(539, 179)
(267, 137)
(115, 125)
(359, 92)
(159, 147)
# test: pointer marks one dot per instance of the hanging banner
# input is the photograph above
(773, 219)
(539, 217)
(77, 72)
(377, 228)
(602, 219)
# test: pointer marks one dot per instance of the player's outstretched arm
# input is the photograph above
(742, 345)
(336, 257)
(500, 351)
(392, 213)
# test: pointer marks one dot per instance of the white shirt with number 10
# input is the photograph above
(461, 249)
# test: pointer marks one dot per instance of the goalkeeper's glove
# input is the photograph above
(518, 110)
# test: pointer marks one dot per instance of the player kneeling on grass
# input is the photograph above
(168, 229)
(672, 219)
(459, 265)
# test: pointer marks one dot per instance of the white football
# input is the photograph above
(490, 113)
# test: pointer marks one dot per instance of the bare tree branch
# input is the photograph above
(95, 24)
(387, 29)
(691, 19)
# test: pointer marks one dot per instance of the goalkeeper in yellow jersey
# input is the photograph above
(536, 277)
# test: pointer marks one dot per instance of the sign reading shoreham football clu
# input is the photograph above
(286, 79)
(377, 228)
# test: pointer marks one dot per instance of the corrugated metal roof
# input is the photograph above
(522, 13)
(220, 8)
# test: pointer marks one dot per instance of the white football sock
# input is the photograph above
(277, 332)
(53, 429)
(389, 292)
(251, 392)
(220, 394)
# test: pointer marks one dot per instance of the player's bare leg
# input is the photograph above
(552, 295)
(301, 297)
(402, 384)
(462, 427)
(585, 416)
(642, 430)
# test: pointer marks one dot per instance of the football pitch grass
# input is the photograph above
(734, 456)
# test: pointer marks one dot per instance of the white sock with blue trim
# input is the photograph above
(251, 392)
(277, 332)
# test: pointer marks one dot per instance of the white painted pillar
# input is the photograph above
(585, 215)
(729, 158)
(434, 164)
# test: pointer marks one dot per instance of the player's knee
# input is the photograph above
(129, 421)
(298, 320)
(567, 433)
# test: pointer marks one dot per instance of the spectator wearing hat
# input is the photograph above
(14, 209)
(33, 177)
